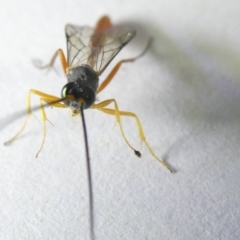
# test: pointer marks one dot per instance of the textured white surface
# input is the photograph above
(185, 90)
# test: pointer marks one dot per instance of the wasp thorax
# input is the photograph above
(83, 75)
(78, 95)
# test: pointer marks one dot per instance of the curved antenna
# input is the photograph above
(89, 175)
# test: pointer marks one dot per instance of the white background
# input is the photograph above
(186, 92)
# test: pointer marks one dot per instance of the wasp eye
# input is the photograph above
(88, 96)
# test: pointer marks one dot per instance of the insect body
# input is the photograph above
(89, 51)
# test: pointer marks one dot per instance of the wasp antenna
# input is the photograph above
(89, 175)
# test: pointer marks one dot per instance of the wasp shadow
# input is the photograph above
(205, 87)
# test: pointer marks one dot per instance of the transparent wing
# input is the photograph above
(97, 49)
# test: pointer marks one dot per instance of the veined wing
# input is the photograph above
(97, 49)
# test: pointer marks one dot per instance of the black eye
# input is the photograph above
(68, 89)
(88, 95)
(85, 93)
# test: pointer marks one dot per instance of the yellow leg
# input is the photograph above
(101, 107)
(118, 65)
(44, 98)
(59, 53)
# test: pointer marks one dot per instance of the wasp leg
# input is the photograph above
(44, 98)
(101, 107)
(118, 65)
(59, 53)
